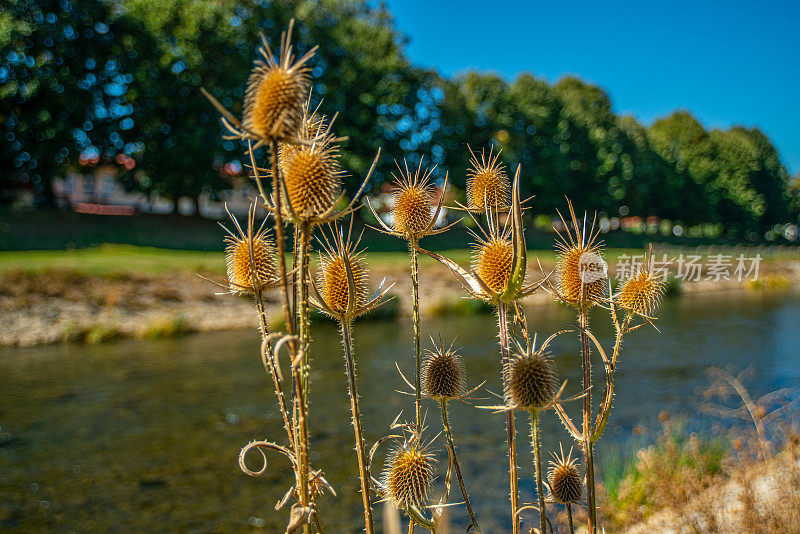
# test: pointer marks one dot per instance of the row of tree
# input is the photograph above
(123, 76)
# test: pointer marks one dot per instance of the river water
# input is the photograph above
(144, 435)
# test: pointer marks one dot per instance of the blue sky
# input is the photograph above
(728, 63)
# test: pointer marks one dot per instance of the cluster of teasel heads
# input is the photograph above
(301, 191)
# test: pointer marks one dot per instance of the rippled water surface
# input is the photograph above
(144, 435)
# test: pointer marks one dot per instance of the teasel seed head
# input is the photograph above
(408, 475)
(333, 279)
(488, 186)
(312, 177)
(581, 271)
(641, 293)
(530, 381)
(443, 374)
(276, 91)
(492, 261)
(566, 485)
(248, 274)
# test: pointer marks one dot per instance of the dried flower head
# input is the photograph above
(341, 290)
(566, 485)
(530, 380)
(581, 271)
(411, 203)
(443, 374)
(250, 259)
(488, 186)
(408, 475)
(312, 177)
(492, 261)
(642, 292)
(276, 91)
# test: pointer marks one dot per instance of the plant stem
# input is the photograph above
(415, 313)
(569, 515)
(356, 413)
(303, 313)
(502, 320)
(301, 443)
(537, 463)
(588, 446)
(452, 449)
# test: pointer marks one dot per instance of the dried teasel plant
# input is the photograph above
(530, 385)
(343, 294)
(415, 217)
(565, 482)
(502, 283)
(444, 379)
(488, 186)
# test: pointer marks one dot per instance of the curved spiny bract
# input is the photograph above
(488, 186)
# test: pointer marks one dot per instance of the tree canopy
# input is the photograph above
(110, 77)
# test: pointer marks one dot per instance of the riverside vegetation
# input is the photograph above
(301, 189)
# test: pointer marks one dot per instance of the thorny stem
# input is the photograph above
(415, 307)
(356, 413)
(452, 450)
(303, 314)
(270, 363)
(588, 446)
(301, 440)
(537, 463)
(502, 320)
(569, 515)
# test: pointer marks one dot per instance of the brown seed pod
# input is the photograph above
(565, 482)
(488, 186)
(412, 200)
(248, 275)
(408, 475)
(492, 261)
(575, 284)
(276, 91)
(312, 177)
(443, 374)
(530, 381)
(333, 280)
(641, 293)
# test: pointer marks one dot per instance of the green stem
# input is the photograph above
(452, 450)
(537, 462)
(415, 313)
(502, 319)
(356, 414)
(588, 446)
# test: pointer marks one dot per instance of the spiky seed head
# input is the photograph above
(576, 284)
(412, 209)
(530, 381)
(488, 186)
(641, 293)
(408, 475)
(241, 268)
(443, 375)
(312, 176)
(565, 482)
(276, 92)
(333, 280)
(492, 261)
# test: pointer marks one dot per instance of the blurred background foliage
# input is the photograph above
(110, 77)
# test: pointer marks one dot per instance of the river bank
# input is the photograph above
(82, 302)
